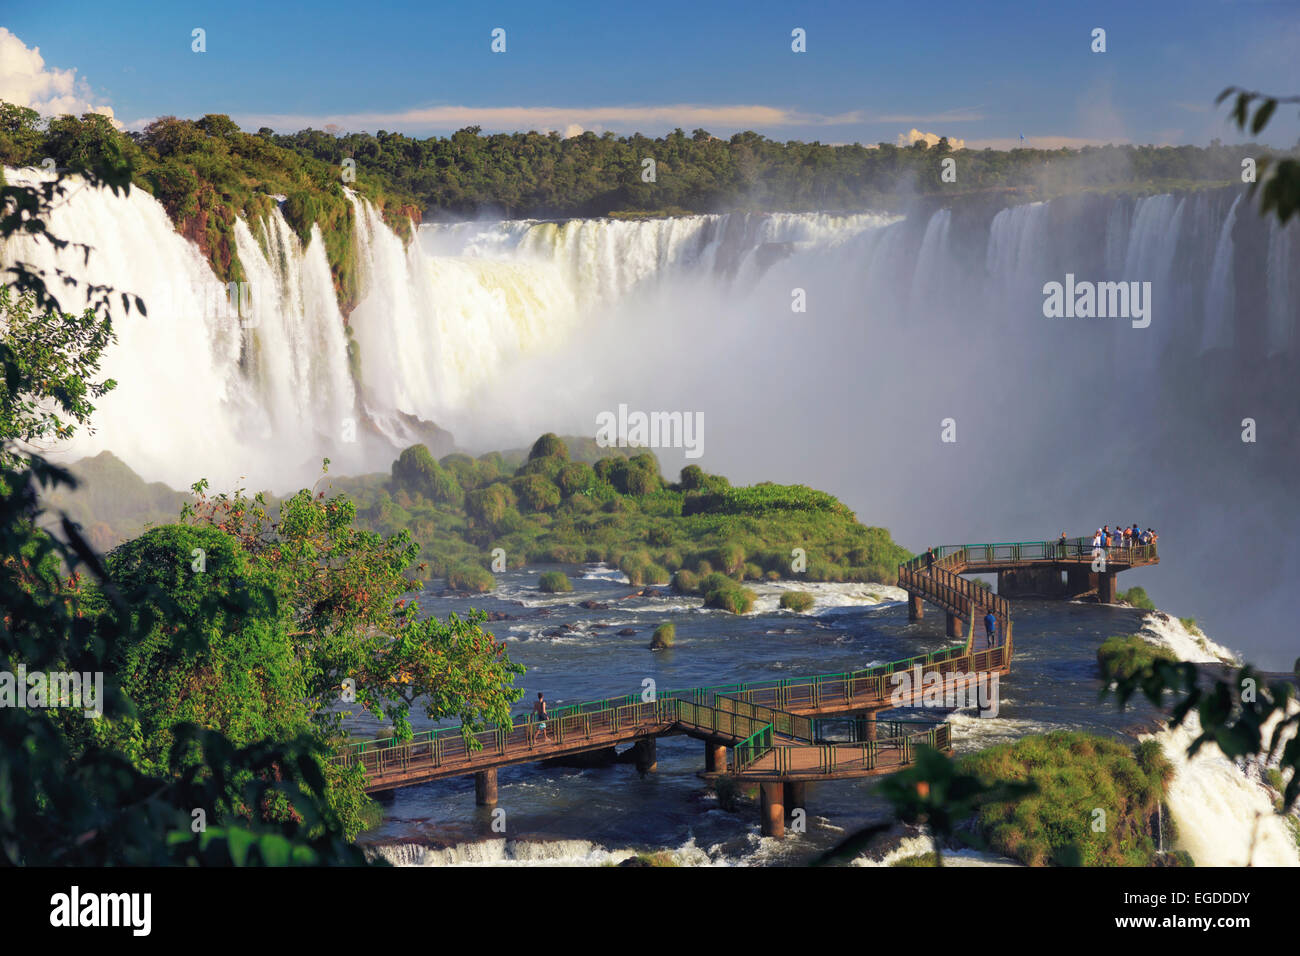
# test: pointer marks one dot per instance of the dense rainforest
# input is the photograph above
(542, 175)
(208, 171)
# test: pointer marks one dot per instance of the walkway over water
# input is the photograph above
(1024, 568)
(771, 727)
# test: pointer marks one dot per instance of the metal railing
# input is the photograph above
(1012, 552)
(835, 757)
(756, 713)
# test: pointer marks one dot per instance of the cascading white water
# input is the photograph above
(450, 327)
(296, 350)
(1220, 294)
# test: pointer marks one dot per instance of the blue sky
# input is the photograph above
(982, 72)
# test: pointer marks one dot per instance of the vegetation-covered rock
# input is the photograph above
(664, 636)
(1137, 597)
(1125, 654)
(1097, 803)
(797, 601)
(554, 582)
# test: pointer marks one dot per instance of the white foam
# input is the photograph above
(1220, 807)
(1187, 644)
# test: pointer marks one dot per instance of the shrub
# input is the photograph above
(1125, 654)
(416, 473)
(554, 582)
(535, 493)
(692, 478)
(563, 554)
(548, 446)
(470, 577)
(686, 582)
(548, 468)
(730, 557)
(489, 505)
(656, 574)
(575, 477)
(664, 636)
(731, 597)
(796, 601)
(1138, 598)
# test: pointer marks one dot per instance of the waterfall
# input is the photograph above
(1220, 293)
(499, 331)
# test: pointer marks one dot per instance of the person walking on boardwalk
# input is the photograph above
(929, 560)
(990, 629)
(539, 715)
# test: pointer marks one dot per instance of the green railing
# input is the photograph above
(1008, 552)
(752, 748)
(834, 757)
(744, 711)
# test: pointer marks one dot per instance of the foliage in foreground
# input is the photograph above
(1095, 801)
(1122, 655)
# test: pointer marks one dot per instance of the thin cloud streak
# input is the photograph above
(685, 115)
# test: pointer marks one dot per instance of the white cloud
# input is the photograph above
(931, 139)
(647, 119)
(26, 81)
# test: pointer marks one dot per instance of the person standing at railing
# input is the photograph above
(929, 560)
(539, 715)
(990, 629)
(1061, 545)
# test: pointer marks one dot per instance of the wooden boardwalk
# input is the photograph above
(768, 725)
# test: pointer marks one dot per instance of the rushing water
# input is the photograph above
(558, 815)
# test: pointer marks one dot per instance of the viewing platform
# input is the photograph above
(1069, 569)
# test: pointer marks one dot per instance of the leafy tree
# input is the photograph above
(65, 797)
(51, 361)
(1279, 181)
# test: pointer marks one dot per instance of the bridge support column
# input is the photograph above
(772, 809)
(485, 788)
(647, 757)
(864, 727)
(1106, 586)
(915, 609)
(1078, 582)
(794, 796)
(954, 626)
(715, 757)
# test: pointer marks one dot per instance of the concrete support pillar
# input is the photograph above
(772, 809)
(647, 757)
(1078, 581)
(715, 757)
(795, 796)
(915, 609)
(485, 788)
(1106, 586)
(954, 626)
(864, 727)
